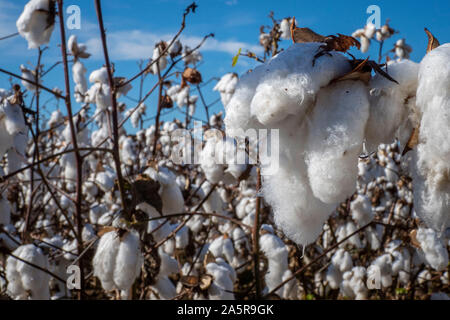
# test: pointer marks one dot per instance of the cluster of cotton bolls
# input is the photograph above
(366, 34)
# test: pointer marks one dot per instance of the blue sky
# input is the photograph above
(134, 26)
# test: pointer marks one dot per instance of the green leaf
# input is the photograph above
(235, 58)
(310, 296)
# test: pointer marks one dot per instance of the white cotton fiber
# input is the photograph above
(33, 23)
(335, 140)
(392, 105)
(222, 286)
(432, 178)
(433, 251)
(289, 82)
(24, 280)
(226, 87)
(276, 253)
(117, 261)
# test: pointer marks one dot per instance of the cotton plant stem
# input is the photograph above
(73, 133)
(115, 122)
(255, 236)
(32, 82)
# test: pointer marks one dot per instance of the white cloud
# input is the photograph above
(137, 44)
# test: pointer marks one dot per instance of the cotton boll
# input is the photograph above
(172, 198)
(29, 75)
(431, 183)
(402, 50)
(392, 108)
(209, 161)
(384, 263)
(299, 214)
(335, 140)
(99, 76)
(33, 24)
(128, 262)
(285, 28)
(344, 230)
(214, 203)
(182, 238)
(434, 252)
(222, 247)
(333, 277)
(105, 180)
(342, 260)
(105, 259)
(352, 285)
(373, 277)
(290, 82)
(162, 62)
(79, 77)
(25, 281)
(361, 209)
(222, 286)
(56, 118)
(226, 87)
(276, 253)
(117, 261)
(163, 286)
(191, 57)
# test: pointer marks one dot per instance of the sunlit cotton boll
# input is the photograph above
(431, 180)
(335, 140)
(392, 105)
(226, 87)
(224, 277)
(36, 23)
(433, 251)
(118, 260)
(24, 280)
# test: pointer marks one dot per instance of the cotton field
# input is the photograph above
(97, 202)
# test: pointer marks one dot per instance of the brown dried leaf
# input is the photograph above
(205, 281)
(302, 35)
(145, 189)
(209, 258)
(433, 43)
(413, 237)
(105, 230)
(341, 43)
(412, 141)
(192, 75)
(189, 281)
(360, 71)
(378, 70)
(166, 102)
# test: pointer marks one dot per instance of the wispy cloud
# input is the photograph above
(231, 2)
(137, 44)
